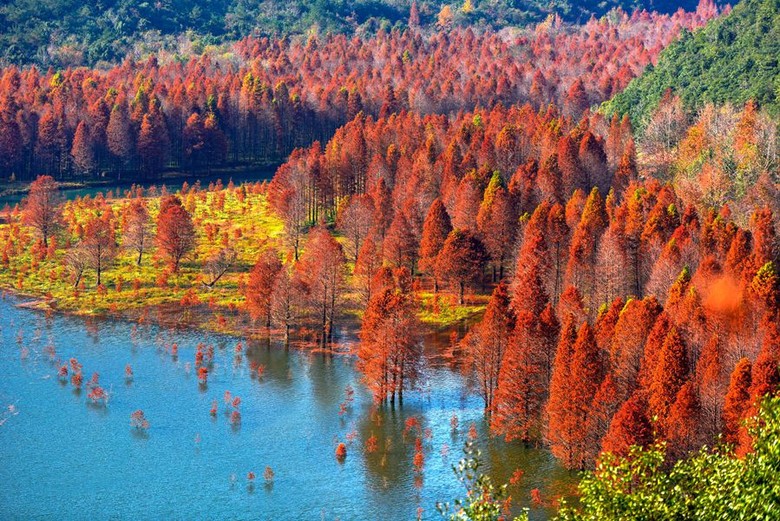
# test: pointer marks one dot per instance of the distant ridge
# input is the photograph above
(64, 33)
(734, 58)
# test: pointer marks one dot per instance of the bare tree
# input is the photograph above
(218, 264)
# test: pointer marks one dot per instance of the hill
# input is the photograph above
(734, 59)
(70, 32)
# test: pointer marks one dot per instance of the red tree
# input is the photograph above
(389, 350)
(40, 209)
(99, 243)
(461, 260)
(497, 224)
(436, 229)
(259, 288)
(631, 426)
(321, 270)
(355, 220)
(175, 231)
(487, 342)
(137, 235)
(586, 372)
(83, 149)
(682, 426)
(737, 401)
(669, 376)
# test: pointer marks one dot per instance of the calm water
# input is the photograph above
(61, 458)
(261, 174)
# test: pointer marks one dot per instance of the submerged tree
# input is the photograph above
(487, 342)
(389, 353)
(321, 271)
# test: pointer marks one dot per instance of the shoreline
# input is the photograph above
(21, 188)
(194, 319)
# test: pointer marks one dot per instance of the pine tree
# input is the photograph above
(435, 230)
(461, 261)
(631, 426)
(488, 342)
(737, 401)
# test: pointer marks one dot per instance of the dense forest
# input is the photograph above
(596, 205)
(734, 59)
(620, 285)
(268, 96)
(68, 33)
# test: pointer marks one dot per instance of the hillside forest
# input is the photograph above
(599, 234)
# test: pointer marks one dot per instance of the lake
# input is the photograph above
(63, 458)
(173, 184)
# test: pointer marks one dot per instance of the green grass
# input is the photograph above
(245, 222)
(247, 225)
(449, 313)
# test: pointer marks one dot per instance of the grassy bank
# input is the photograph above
(238, 216)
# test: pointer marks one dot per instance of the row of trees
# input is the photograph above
(271, 95)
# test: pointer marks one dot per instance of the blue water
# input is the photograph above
(173, 183)
(61, 458)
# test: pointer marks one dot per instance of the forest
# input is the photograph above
(64, 33)
(590, 209)
(257, 103)
(732, 60)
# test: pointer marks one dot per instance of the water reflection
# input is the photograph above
(293, 416)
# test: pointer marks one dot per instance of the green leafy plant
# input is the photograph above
(484, 501)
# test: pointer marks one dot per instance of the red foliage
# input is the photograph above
(630, 426)
(138, 420)
(341, 452)
(40, 209)
(389, 350)
(570, 440)
(203, 375)
(259, 288)
(486, 343)
(737, 401)
(175, 231)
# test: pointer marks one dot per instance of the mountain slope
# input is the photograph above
(734, 59)
(72, 32)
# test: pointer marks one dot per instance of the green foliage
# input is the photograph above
(484, 501)
(71, 32)
(711, 485)
(734, 59)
